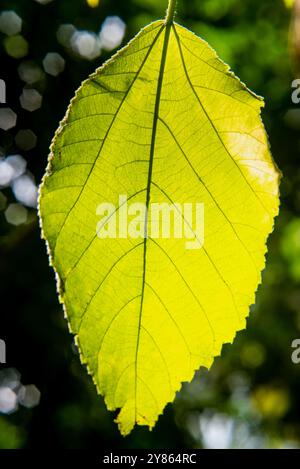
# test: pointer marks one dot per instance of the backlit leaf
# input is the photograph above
(164, 121)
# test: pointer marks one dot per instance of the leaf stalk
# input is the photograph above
(171, 12)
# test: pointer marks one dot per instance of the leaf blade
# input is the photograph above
(147, 125)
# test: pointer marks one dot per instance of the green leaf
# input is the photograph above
(163, 121)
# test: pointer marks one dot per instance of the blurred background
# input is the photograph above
(251, 396)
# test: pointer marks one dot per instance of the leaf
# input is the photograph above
(163, 121)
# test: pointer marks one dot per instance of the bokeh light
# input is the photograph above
(16, 214)
(18, 165)
(31, 99)
(26, 139)
(6, 173)
(25, 190)
(54, 64)
(16, 46)
(8, 118)
(29, 396)
(13, 392)
(10, 378)
(44, 2)
(30, 72)
(93, 3)
(64, 34)
(86, 44)
(8, 400)
(10, 23)
(112, 33)
(11, 168)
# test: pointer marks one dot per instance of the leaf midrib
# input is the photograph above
(148, 193)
